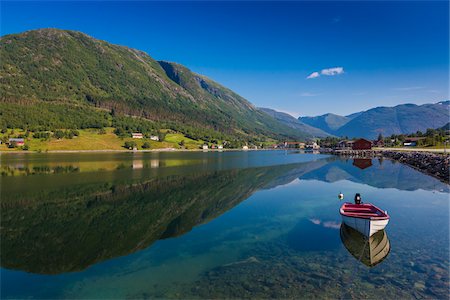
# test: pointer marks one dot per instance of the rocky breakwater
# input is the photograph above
(436, 165)
(433, 164)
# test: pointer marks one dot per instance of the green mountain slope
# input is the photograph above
(73, 69)
(290, 121)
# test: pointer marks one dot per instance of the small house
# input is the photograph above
(137, 135)
(362, 144)
(412, 141)
(219, 147)
(18, 141)
(245, 147)
(345, 144)
(154, 138)
(205, 147)
(298, 145)
(312, 146)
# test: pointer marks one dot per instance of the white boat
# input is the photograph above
(365, 218)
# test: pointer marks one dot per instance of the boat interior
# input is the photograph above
(362, 210)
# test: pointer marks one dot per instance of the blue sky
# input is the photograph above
(366, 53)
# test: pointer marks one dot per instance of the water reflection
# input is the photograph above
(314, 235)
(68, 230)
(369, 251)
(282, 242)
(378, 173)
(362, 163)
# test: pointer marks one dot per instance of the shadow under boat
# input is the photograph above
(369, 251)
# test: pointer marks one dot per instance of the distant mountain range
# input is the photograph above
(292, 122)
(400, 119)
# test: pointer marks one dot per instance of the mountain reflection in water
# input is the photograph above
(82, 219)
(57, 234)
(256, 224)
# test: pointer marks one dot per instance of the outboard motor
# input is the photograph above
(357, 198)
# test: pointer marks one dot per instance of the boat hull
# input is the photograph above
(367, 227)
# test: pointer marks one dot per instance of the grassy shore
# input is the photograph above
(93, 140)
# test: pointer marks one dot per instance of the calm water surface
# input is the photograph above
(217, 224)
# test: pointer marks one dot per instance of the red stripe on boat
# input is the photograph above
(363, 211)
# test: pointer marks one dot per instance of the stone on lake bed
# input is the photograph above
(419, 285)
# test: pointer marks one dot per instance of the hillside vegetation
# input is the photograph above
(54, 78)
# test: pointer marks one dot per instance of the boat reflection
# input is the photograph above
(370, 251)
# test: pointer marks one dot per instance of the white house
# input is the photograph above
(137, 135)
(312, 146)
(205, 147)
(154, 138)
(220, 147)
(245, 147)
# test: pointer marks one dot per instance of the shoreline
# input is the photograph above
(432, 163)
(132, 151)
(435, 164)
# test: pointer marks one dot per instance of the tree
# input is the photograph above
(161, 136)
(380, 137)
(59, 134)
(181, 143)
(120, 132)
(146, 145)
(130, 144)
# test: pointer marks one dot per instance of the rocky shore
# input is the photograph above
(433, 164)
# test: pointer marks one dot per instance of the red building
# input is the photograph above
(362, 144)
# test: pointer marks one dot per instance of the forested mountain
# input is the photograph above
(62, 72)
(400, 119)
(290, 121)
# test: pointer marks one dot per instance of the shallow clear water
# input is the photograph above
(217, 224)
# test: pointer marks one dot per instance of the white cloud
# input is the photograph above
(313, 75)
(332, 71)
(327, 72)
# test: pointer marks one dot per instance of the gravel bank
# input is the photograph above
(433, 164)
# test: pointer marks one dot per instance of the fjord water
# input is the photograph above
(216, 224)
